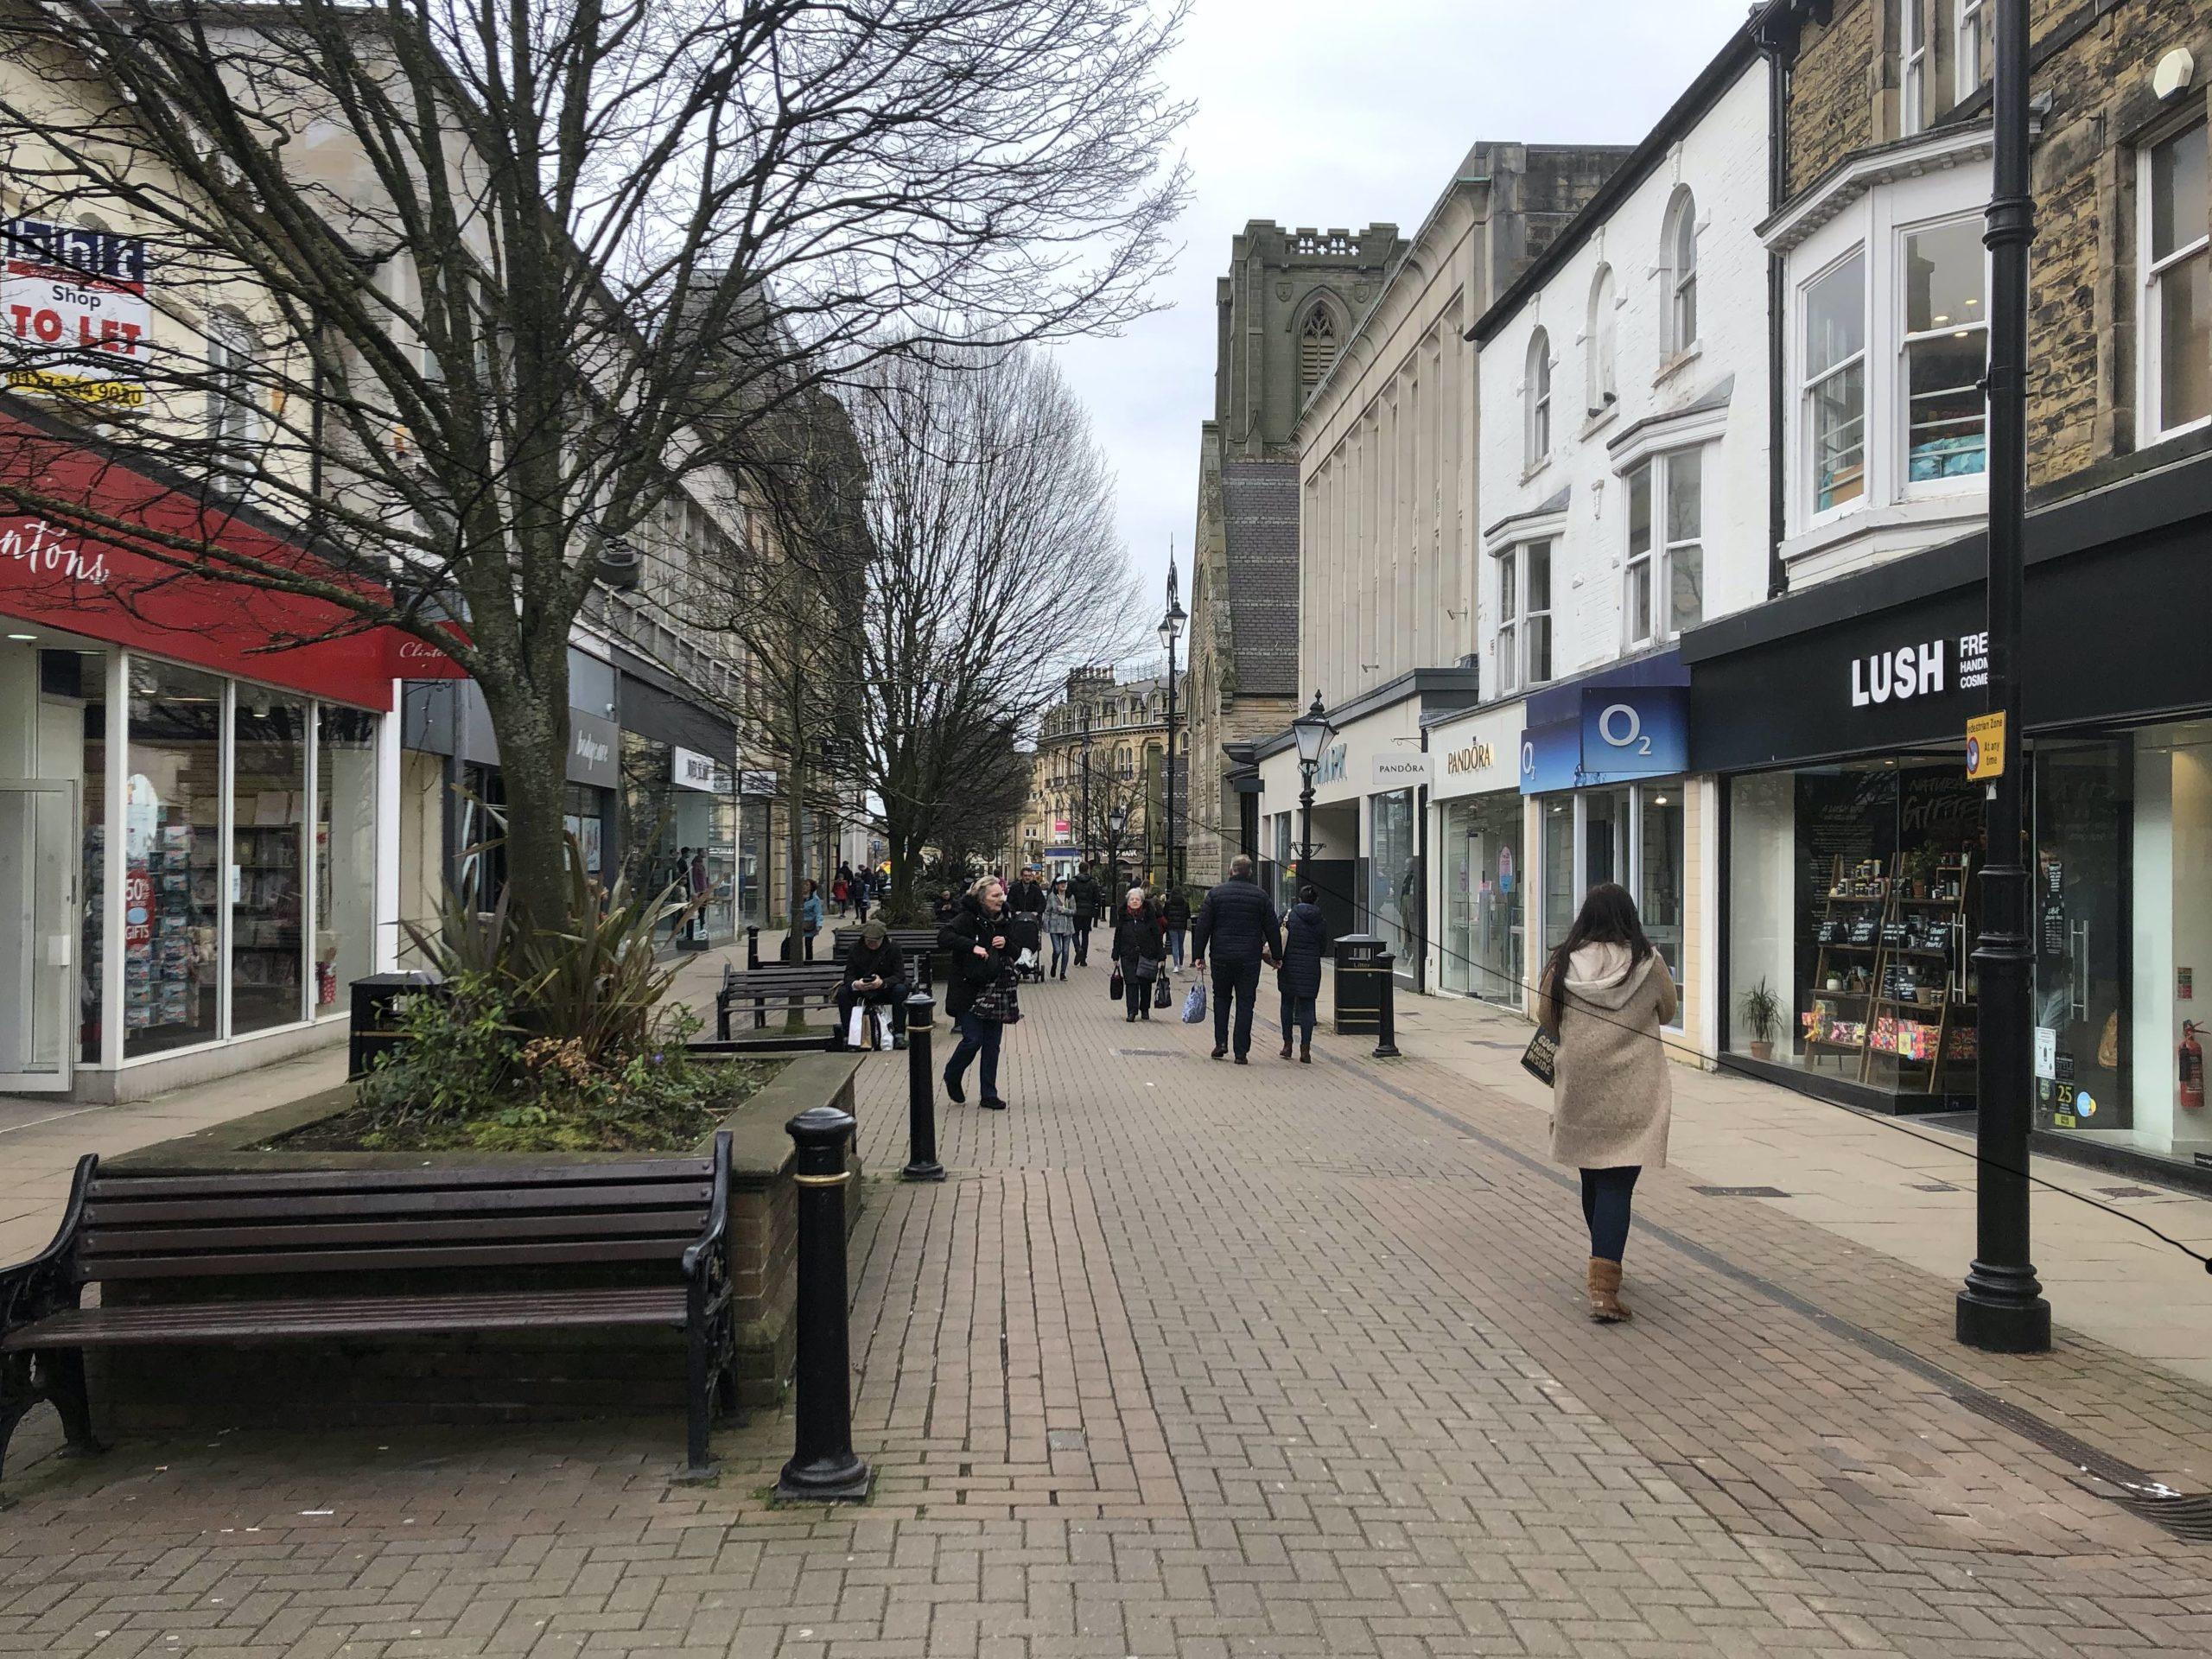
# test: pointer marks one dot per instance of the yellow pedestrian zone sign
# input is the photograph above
(1985, 747)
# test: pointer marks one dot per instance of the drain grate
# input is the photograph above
(2131, 1191)
(1149, 1053)
(2185, 1514)
(1743, 1191)
(1934, 1186)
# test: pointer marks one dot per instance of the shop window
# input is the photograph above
(269, 859)
(1536, 391)
(1835, 384)
(345, 853)
(1601, 391)
(173, 862)
(2176, 256)
(1679, 263)
(1394, 878)
(1483, 897)
(1945, 347)
(1524, 645)
(1560, 889)
(1659, 871)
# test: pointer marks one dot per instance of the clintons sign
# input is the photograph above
(140, 590)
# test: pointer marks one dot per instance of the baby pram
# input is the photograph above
(1025, 934)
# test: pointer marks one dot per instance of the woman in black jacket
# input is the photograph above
(1137, 939)
(1305, 941)
(1175, 916)
(975, 938)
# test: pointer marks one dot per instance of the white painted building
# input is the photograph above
(1624, 482)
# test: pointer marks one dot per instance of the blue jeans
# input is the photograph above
(978, 1037)
(1175, 943)
(1606, 1194)
(1060, 944)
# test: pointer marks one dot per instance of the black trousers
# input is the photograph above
(1241, 981)
(1137, 992)
(1082, 937)
(890, 1004)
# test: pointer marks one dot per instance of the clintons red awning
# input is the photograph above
(102, 587)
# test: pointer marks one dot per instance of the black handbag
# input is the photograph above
(999, 1005)
(1163, 995)
(1114, 989)
(1541, 1058)
(1148, 970)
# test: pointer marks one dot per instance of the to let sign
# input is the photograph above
(74, 302)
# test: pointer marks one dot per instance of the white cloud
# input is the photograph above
(1342, 115)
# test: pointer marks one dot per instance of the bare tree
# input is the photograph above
(997, 566)
(454, 233)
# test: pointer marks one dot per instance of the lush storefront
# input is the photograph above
(1853, 841)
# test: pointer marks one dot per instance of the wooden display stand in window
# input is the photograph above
(1839, 1023)
(1920, 935)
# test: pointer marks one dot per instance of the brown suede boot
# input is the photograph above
(1304, 1051)
(1605, 1292)
(1286, 1048)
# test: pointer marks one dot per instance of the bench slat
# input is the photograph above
(549, 1254)
(99, 1327)
(684, 1223)
(260, 1183)
(110, 1211)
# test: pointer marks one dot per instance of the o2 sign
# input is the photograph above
(1619, 727)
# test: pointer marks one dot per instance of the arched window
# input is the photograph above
(1537, 389)
(1680, 263)
(1316, 344)
(1602, 391)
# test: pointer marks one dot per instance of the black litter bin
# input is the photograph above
(1358, 986)
(375, 1022)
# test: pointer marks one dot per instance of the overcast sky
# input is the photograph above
(1345, 114)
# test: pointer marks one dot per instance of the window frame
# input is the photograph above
(1968, 25)
(1319, 313)
(2150, 358)
(1809, 385)
(1601, 357)
(1536, 401)
(1511, 639)
(234, 423)
(1678, 260)
(1915, 61)
(1899, 419)
(1657, 558)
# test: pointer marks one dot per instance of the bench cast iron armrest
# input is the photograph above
(46, 1284)
(709, 1334)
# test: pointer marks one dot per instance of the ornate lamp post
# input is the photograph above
(1084, 755)
(1117, 825)
(1312, 732)
(1171, 630)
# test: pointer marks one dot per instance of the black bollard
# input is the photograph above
(1386, 1007)
(921, 1094)
(823, 1466)
(752, 947)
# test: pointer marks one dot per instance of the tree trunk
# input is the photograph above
(530, 718)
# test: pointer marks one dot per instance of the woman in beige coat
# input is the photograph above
(1605, 995)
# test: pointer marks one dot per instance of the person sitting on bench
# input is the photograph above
(875, 974)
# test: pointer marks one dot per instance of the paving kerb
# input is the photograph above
(1184, 1359)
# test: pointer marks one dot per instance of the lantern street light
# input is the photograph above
(1312, 732)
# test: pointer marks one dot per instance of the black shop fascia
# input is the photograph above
(1834, 718)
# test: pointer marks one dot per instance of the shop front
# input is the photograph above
(1480, 854)
(195, 845)
(1604, 761)
(1853, 841)
(680, 801)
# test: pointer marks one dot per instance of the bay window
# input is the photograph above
(1665, 571)
(1835, 384)
(2176, 255)
(1946, 346)
(1524, 615)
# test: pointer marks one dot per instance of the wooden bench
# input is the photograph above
(803, 985)
(424, 1223)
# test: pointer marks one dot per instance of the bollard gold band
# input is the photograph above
(838, 1180)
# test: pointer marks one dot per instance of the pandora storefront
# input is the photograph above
(1853, 842)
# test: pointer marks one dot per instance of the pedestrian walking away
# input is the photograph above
(1305, 942)
(1137, 951)
(1084, 893)
(979, 981)
(1604, 996)
(1060, 927)
(811, 915)
(1175, 912)
(875, 978)
(1237, 926)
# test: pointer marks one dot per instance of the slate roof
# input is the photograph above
(1258, 511)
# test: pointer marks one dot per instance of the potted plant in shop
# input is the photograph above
(1761, 1008)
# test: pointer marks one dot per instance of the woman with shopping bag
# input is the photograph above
(979, 996)
(1138, 947)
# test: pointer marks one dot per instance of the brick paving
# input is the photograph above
(1196, 1360)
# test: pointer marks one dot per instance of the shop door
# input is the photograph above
(38, 929)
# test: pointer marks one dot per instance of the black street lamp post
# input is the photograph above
(1171, 630)
(1085, 756)
(2000, 1307)
(1311, 730)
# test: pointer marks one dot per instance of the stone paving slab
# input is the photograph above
(1192, 1359)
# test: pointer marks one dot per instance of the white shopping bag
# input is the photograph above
(856, 1027)
(886, 1038)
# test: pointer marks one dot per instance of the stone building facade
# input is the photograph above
(1286, 307)
(1117, 729)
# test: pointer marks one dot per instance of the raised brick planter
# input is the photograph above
(491, 1378)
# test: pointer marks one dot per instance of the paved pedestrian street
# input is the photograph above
(1193, 1359)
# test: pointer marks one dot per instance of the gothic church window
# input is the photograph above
(1317, 346)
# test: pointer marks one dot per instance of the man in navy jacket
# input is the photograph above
(1238, 928)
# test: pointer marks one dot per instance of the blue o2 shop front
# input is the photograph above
(1605, 762)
